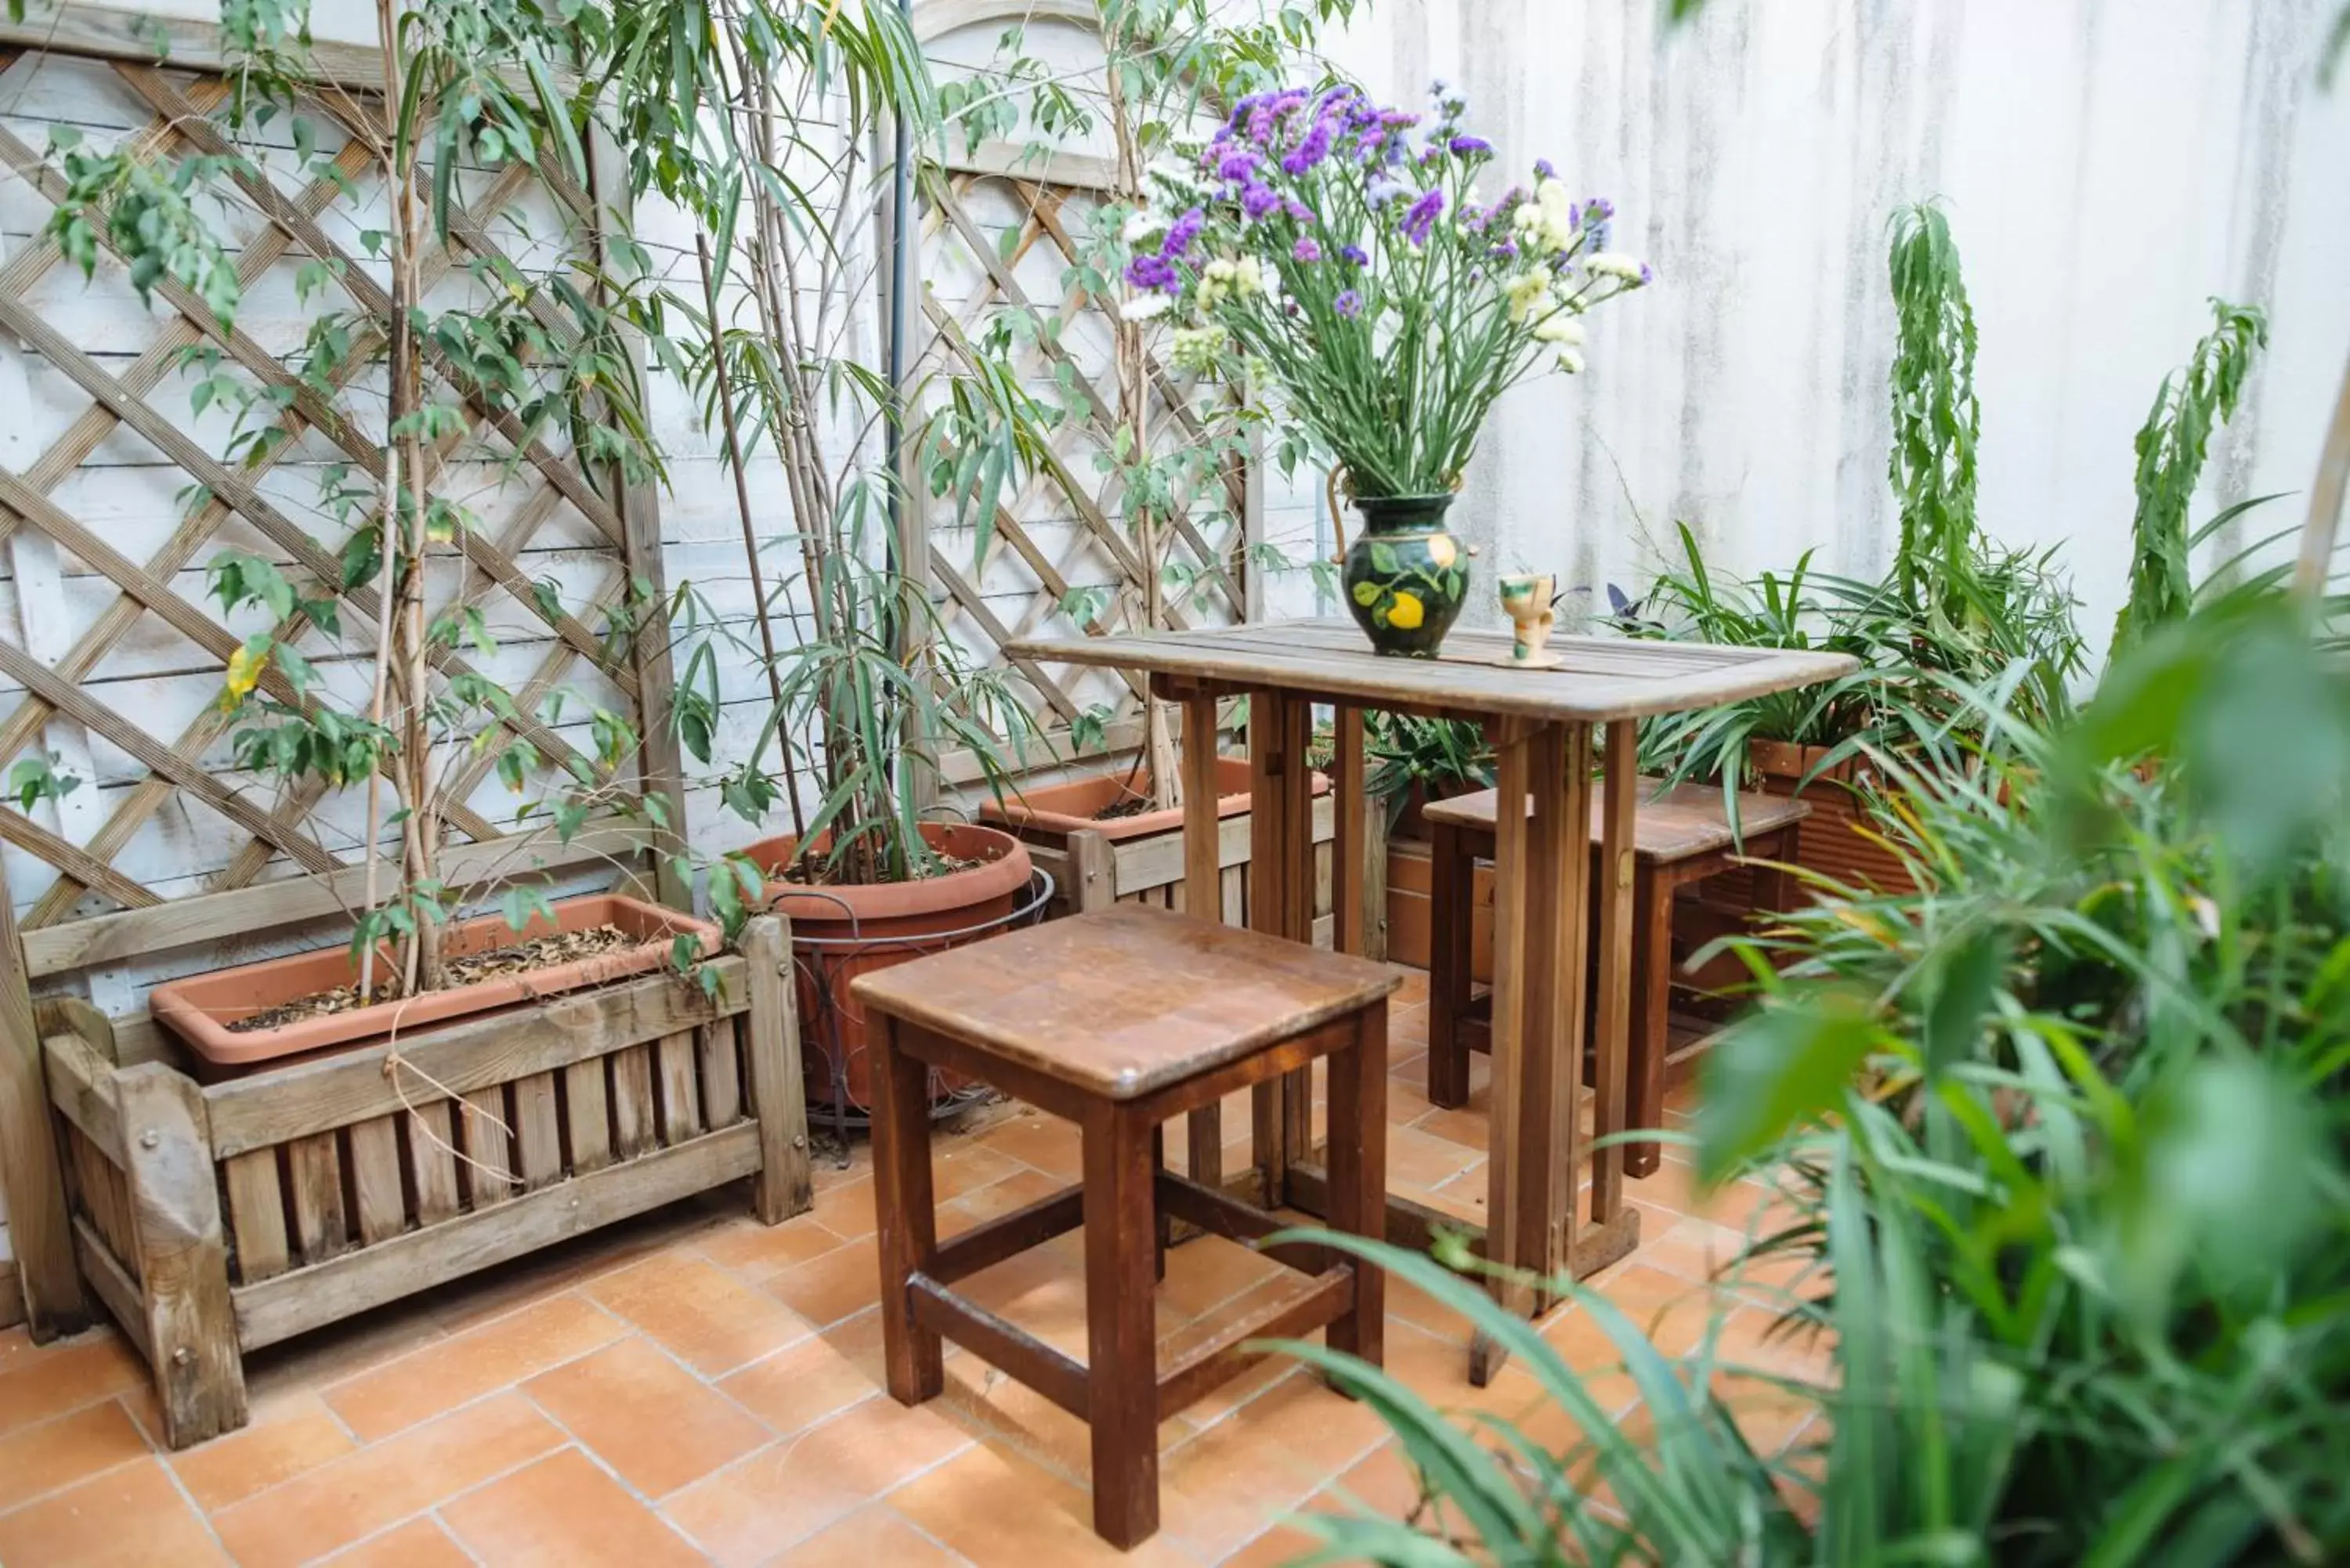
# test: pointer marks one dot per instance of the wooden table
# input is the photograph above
(1541, 723)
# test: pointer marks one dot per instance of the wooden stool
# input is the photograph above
(1117, 1021)
(1682, 837)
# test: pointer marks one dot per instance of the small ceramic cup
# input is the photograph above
(1526, 600)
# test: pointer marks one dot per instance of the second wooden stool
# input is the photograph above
(1118, 1020)
(1681, 837)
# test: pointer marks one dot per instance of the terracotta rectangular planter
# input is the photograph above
(199, 1008)
(1048, 814)
(1835, 840)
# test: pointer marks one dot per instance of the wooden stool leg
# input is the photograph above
(905, 1219)
(1451, 931)
(1359, 1176)
(1162, 1225)
(1121, 1327)
(1652, 990)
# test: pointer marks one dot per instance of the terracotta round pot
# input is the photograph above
(841, 932)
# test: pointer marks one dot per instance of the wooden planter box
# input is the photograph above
(214, 1219)
(1836, 839)
(1089, 870)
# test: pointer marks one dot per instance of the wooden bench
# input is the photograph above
(1120, 1020)
(1681, 837)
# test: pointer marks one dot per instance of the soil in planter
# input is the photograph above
(520, 958)
(802, 874)
(1134, 805)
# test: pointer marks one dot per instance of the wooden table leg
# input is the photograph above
(1614, 1013)
(1451, 953)
(1652, 991)
(1541, 865)
(1351, 870)
(1203, 895)
(1358, 1174)
(1280, 903)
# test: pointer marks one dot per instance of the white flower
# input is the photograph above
(1144, 308)
(1527, 289)
(1549, 219)
(1558, 327)
(1198, 348)
(1570, 361)
(1145, 224)
(1248, 277)
(1616, 264)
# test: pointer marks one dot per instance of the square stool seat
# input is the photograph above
(1120, 1020)
(1686, 821)
(1128, 1001)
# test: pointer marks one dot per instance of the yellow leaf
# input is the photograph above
(244, 668)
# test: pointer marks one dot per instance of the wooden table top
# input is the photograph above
(1128, 999)
(1599, 679)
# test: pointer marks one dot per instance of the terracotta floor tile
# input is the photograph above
(872, 1537)
(756, 1250)
(993, 1404)
(1425, 1160)
(656, 1424)
(299, 1435)
(130, 1517)
(51, 1379)
(1000, 1510)
(419, 1543)
(1207, 1271)
(802, 1383)
(1017, 1190)
(15, 1344)
(564, 1512)
(842, 1282)
(704, 1316)
(846, 1211)
(788, 1491)
(1217, 1492)
(1279, 1547)
(308, 1362)
(453, 1372)
(472, 1302)
(69, 1449)
(361, 1493)
(1467, 1125)
(1039, 1141)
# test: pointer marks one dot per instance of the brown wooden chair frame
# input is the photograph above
(1127, 1193)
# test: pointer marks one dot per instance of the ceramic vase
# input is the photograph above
(1407, 578)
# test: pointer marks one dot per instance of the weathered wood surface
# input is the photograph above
(770, 1032)
(182, 1256)
(1601, 679)
(32, 1191)
(326, 1293)
(1684, 821)
(494, 1049)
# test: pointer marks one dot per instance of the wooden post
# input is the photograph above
(1121, 1332)
(36, 1197)
(1093, 872)
(183, 1259)
(906, 1213)
(1203, 895)
(771, 1036)
(638, 505)
(1351, 857)
(1619, 808)
(1280, 900)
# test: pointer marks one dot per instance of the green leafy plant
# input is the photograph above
(2192, 403)
(1937, 420)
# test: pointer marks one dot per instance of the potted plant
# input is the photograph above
(1332, 242)
(539, 357)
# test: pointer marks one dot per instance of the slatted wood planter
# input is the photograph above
(1091, 871)
(214, 1219)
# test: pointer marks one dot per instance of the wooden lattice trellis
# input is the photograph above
(1010, 224)
(613, 533)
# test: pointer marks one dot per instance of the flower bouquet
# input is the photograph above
(1334, 244)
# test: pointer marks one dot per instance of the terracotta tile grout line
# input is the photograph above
(149, 1451)
(596, 1459)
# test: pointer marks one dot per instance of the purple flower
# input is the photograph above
(1237, 164)
(1299, 212)
(1600, 208)
(1313, 149)
(1180, 234)
(1506, 251)
(1259, 200)
(1367, 146)
(1421, 222)
(1354, 253)
(1544, 168)
(1648, 272)
(1305, 250)
(1154, 274)
(1399, 119)
(1469, 146)
(1350, 304)
(1383, 190)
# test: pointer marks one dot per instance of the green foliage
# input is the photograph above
(147, 211)
(2189, 405)
(1442, 756)
(35, 778)
(1937, 420)
(2064, 1133)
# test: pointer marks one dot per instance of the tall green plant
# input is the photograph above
(2193, 401)
(1937, 420)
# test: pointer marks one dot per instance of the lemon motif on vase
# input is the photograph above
(1405, 577)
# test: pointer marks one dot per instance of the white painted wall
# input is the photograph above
(2108, 165)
